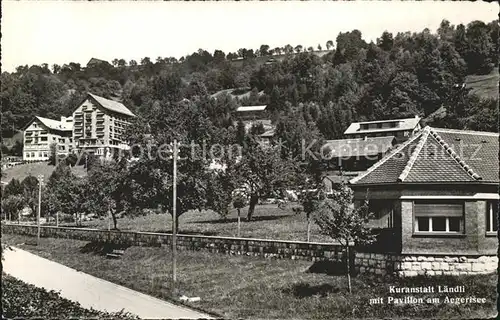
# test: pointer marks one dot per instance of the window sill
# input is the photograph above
(491, 234)
(439, 235)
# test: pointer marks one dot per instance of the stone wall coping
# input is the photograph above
(445, 254)
(181, 235)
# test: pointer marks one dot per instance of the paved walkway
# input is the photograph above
(89, 291)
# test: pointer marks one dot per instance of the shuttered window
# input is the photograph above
(429, 209)
(439, 216)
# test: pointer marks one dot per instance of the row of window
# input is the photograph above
(398, 134)
(435, 216)
(448, 217)
(36, 154)
(380, 125)
(44, 139)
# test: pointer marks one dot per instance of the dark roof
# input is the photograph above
(96, 61)
(437, 155)
(337, 178)
(358, 147)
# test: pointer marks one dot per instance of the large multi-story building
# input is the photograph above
(99, 125)
(41, 133)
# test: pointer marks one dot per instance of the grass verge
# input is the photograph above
(241, 287)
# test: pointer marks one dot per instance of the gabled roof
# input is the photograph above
(251, 108)
(437, 155)
(403, 124)
(344, 148)
(51, 124)
(112, 105)
(268, 134)
(95, 60)
(337, 178)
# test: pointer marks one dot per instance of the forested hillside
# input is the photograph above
(400, 75)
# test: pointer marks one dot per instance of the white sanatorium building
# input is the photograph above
(97, 126)
(41, 132)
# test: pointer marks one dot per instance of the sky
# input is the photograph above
(36, 32)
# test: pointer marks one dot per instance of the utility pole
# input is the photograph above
(40, 181)
(109, 216)
(174, 222)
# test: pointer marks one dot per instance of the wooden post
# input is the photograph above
(109, 218)
(308, 226)
(239, 222)
(174, 222)
(348, 268)
(40, 180)
(57, 218)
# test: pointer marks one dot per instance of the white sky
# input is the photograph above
(36, 32)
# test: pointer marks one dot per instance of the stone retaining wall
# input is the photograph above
(295, 250)
(376, 263)
(413, 265)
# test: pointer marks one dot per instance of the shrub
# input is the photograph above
(20, 299)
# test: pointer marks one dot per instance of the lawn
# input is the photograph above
(35, 168)
(269, 222)
(254, 288)
(486, 86)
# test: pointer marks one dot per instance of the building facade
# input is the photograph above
(435, 200)
(99, 126)
(41, 133)
(402, 129)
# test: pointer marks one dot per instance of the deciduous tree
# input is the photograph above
(339, 219)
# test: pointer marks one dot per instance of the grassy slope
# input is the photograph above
(485, 86)
(36, 168)
(253, 288)
(269, 222)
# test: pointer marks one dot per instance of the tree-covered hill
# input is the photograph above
(399, 75)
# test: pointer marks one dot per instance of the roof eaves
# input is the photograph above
(414, 156)
(483, 133)
(455, 156)
(383, 160)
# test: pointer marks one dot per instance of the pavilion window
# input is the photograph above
(492, 216)
(439, 216)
